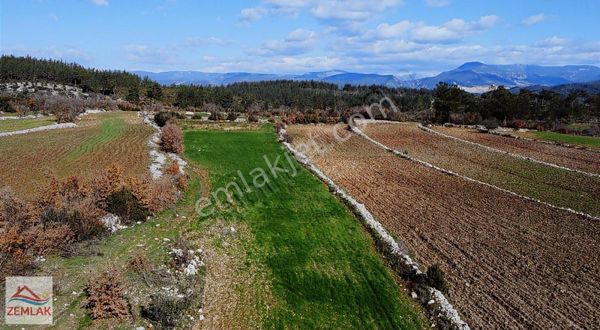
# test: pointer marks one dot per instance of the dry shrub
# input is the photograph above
(173, 169)
(139, 263)
(71, 203)
(24, 236)
(153, 195)
(16, 239)
(105, 299)
(171, 138)
(70, 211)
(106, 183)
(64, 108)
(182, 183)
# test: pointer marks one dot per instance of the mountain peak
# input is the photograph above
(470, 65)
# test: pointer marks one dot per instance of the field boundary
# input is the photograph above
(158, 158)
(452, 173)
(39, 129)
(22, 117)
(433, 300)
(553, 143)
(429, 130)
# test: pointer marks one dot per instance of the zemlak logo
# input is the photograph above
(28, 300)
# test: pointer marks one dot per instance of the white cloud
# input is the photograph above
(100, 2)
(298, 41)
(437, 3)
(276, 64)
(553, 41)
(352, 10)
(147, 54)
(53, 17)
(531, 20)
(206, 41)
(252, 14)
(453, 30)
(329, 11)
(385, 30)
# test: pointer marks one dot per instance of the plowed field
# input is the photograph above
(98, 141)
(510, 263)
(549, 184)
(579, 159)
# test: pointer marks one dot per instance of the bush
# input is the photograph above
(105, 299)
(153, 195)
(71, 203)
(173, 169)
(165, 310)
(197, 115)
(6, 104)
(171, 139)
(436, 278)
(253, 118)
(232, 116)
(140, 263)
(163, 117)
(127, 206)
(216, 116)
(490, 123)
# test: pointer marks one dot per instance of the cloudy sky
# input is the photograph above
(387, 36)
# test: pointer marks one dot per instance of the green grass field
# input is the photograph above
(324, 269)
(567, 138)
(12, 125)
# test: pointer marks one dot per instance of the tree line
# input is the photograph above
(501, 106)
(313, 100)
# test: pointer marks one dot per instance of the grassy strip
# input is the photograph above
(21, 124)
(324, 269)
(567, 138)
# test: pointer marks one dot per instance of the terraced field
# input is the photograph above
(98, 141)
(580, 159)
(11, 125)
(510, 263)
(555, 186)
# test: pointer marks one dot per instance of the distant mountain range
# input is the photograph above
(591, 88)
(472, 76)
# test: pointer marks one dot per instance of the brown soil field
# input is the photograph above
(510, 262)
(579, 159)
(549, 184)
(97, 142)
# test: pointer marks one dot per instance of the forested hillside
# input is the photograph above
(107, 82)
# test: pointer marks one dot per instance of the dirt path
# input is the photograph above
(511, 263)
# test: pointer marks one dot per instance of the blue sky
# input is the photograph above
(276, 36)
